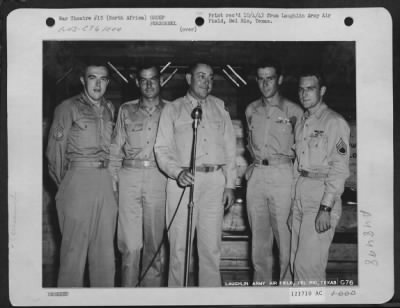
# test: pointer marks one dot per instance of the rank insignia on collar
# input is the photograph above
(58, 133)
(341, 147)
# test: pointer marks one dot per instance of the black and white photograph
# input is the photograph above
(261, 86)
(222, 155)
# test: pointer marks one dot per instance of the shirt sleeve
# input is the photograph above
(248, 131)
(165, 148)
(117, 143)
(229, 168)
(57, 144)
(338, 159)
(296, 175)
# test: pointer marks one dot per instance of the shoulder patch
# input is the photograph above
(58, 132)
(341, 147)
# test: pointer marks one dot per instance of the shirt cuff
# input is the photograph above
(176, 173)
(328, 199)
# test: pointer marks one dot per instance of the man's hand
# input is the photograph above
(323, 221)
(185, 178)
(228, 198)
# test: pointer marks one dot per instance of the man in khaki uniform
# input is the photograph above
(215, 174)
(78, 152)
(141, 220)
(321, 167)
(271, 121)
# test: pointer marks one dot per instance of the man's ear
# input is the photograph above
(188, 78)
(82, 80)
(323, 90)
(280, 79)
(137, 82)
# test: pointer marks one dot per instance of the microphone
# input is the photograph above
(196, 115)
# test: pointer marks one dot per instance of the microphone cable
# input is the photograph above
(162, 242)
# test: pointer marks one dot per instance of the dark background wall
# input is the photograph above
(335, 59)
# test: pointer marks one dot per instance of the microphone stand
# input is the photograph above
(196, 115)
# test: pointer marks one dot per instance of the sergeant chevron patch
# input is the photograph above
(341, 147)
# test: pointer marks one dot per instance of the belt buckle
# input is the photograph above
(102, 164)
(146, 163)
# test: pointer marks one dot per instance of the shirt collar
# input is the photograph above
(318, 112)
(193, 100)
(279, 105)
(158, 105)
(85, 99)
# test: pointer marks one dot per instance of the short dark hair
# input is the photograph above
(195, 64)
(270, 62)
(313, 71)
(146, 66)
(92, 62)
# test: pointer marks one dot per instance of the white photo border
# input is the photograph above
(374, 138)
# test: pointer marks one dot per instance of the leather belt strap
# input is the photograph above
(136, 163)
(208, 168)
(313, 175)
(272, 162)
(89, 164)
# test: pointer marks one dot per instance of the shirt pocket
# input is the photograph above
(215, 134)
(85, 133)
(318, 150)
(283, 132)
(134, 131)
(257, 130)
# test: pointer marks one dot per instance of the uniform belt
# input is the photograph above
(272, 162)
(89, 164)
(208, 168)
(136, 163)
(313, 175)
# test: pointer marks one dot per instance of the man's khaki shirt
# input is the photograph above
(216, 141)
(80, 132)
(322, 146)
(135, 133)
(271, 128)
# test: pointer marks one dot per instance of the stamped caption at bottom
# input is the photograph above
(317, 294)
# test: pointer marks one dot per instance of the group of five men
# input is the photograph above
(137, 173)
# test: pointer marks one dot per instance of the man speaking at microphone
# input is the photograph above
(215, 173)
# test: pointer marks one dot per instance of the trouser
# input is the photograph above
(141, 224)
(268, 206)
(310, 249)
(87, 213)
(207, 220)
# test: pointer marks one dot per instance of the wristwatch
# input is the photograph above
(325, 208)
